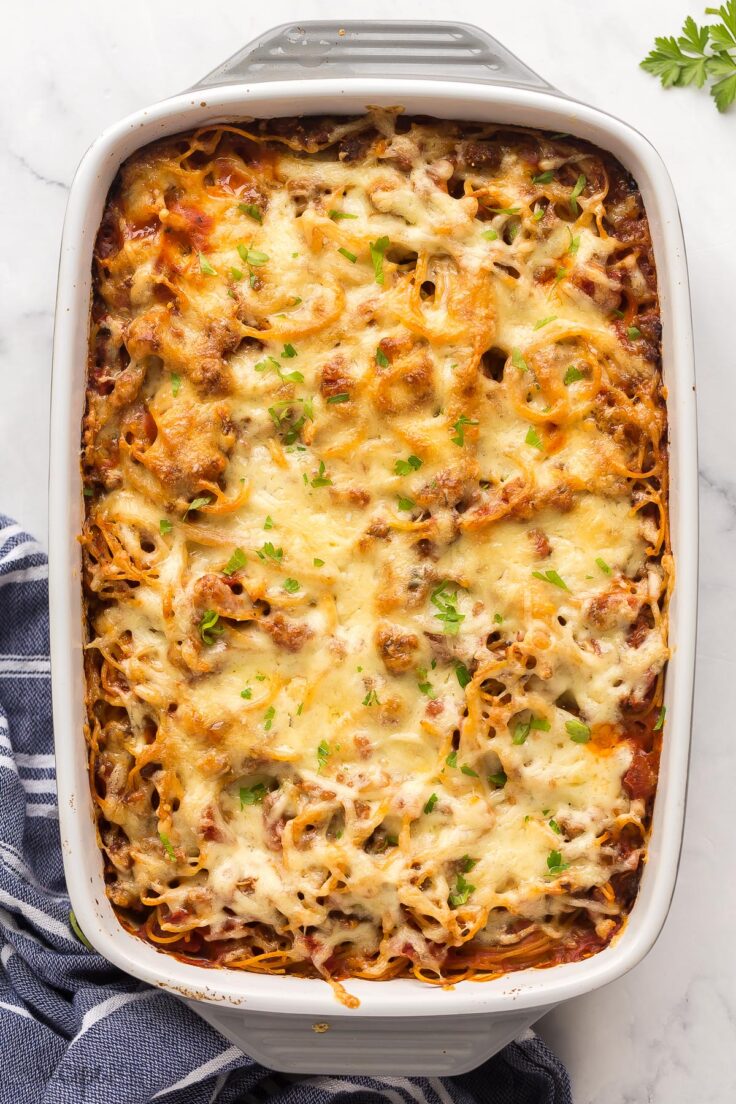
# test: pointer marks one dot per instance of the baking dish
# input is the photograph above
(401, 1026)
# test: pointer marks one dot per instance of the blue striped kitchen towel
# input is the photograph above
(77, 1031)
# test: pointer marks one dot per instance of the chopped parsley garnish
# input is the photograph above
(574, 243)
(539, 213)
(446, 602)
(518, 361)
(603, 565)
(209, 627)
(554, 826)
(523, 728)
(467, 864)
(543, 178)
(555, 864)
(291, 586)
(352, 257)
(406, 467)
(469, 771)
(252, 256)
(405, 503)
(272, 363)
(633, 333)
(459, 427)
(267, 551)
(451, 759)
(532, 438)
(578, 731)
(425, 687)
(341, 398)
(260, 677)
(198, 503)
(268, 523)
(236, 274)
(371, 698)
(551, 577)
(288, 352)
(251, 210)
(337, 215)
(175, 383)
(378, 250)
(164, 526)
(431, 802)
(252, 795)
(463, 889)
(87, 492)
(166, 844)
(320, 479)
(463, 674)
(205, 266)
(659, 723)
(498, 618)
(572, 375)
(490, 235)
(323, 754)
(247, 693)
(577, 190)
(318, 563)
(236, 561)
(500, 778)
(381, 359)
(268, 717)
(545, 321)
(505, 210)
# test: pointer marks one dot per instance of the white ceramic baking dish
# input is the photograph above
(402, 1026)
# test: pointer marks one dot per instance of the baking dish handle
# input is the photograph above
(371, 48)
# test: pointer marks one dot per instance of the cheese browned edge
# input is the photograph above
(376, 557)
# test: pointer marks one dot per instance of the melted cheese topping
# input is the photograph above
(374, 548)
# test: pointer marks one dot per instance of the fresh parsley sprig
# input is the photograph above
(699, 54)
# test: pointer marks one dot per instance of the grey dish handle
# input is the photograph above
(371, 48)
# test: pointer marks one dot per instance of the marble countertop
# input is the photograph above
(666, 1033)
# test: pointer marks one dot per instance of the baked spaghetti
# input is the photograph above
(375, 555)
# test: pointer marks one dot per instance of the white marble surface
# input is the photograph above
(667, 1032)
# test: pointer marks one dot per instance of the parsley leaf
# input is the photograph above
(446, 602)
(431, 802)
(236, 561)
(405, 503)
(268, 717)
(209, 627)
(291, 586)
(459, 427)
(577, 731)
(551, 577)
(268, 523)
(378, 251)
(198, 503)
(532, 438)
(490, 235)
(205, 266)
(166, 844)
(337, 215)
(252, 795)
(572, 375)
(252, 256)
(175, 383)
(659, 723)
(164, 526)
(371, 698)
(463, 889)
(601, 563)
(518, 361)
(699, 54)
(554, 826)
(323, 754)
(633, 333)
(463, 674)
(465, 769)
(251, 210)
(580, 183)
(545, 321)
(247, 693)
(406, 467)
(267, 551)
(543, 178)
(499, 779)
(341, 398)
(320, 479)
(451, 759)
(318, 563)
(352, 257)
(288, 351)
(381, 359)
(523, 728)
(555, 864)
